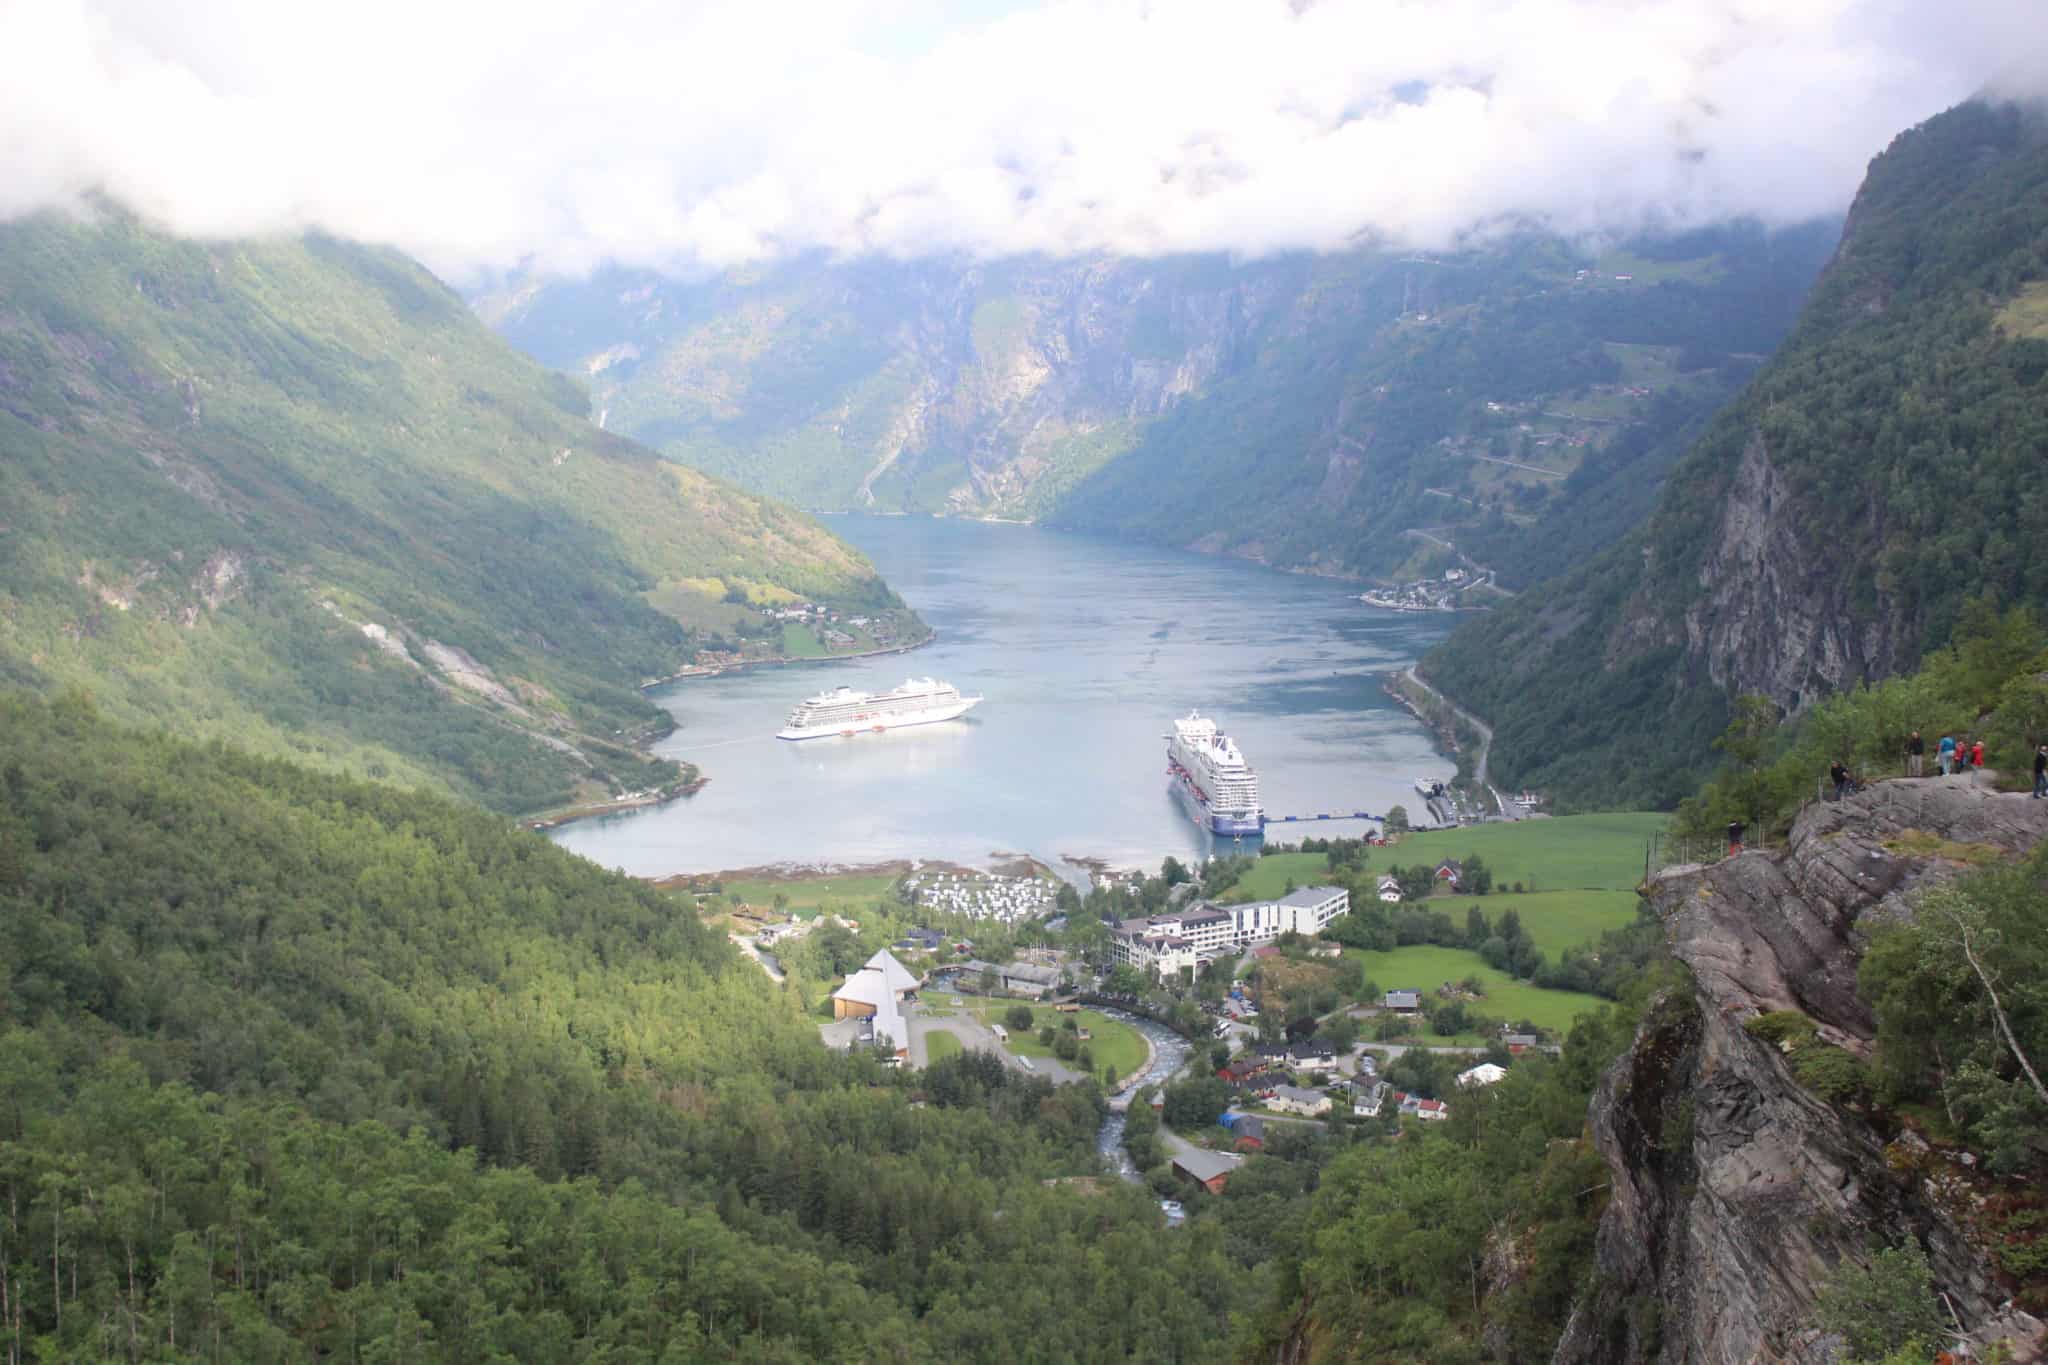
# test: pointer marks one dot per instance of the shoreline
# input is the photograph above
(598, 810)
(783, 661)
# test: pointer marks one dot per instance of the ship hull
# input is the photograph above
(930, 716)
(1230, 826)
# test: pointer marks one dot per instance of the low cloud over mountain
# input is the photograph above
(486, 134)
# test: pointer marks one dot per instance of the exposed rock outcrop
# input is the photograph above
(1737, 1191)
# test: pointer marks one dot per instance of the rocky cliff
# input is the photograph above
(1735, 1189)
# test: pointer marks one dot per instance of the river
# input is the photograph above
(1169, 1051)
(1085, 649)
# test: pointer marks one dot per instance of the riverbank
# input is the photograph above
(590, 810)
(783, 660)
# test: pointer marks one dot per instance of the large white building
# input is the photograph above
(877, 992)
(1203, 931)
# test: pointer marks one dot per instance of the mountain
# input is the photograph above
(1834, 523)
(292, 493)
(1516, 400)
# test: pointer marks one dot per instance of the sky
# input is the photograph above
(492, 134)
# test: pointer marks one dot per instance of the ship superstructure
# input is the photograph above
(1210, 772)
(846, 711)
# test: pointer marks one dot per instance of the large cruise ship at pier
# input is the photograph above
(844, 711)
(1211, 774)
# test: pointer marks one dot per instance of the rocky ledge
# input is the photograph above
(1735, 1190)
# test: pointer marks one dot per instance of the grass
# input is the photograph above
(813, 893)
(2027, 314)
(1573, 852)
(1555, 920)
(1425, 967)
(799, 641)
(1115, 1043)
(939, 1044)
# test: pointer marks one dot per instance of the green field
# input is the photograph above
(938, 1043)
(810, 893)
(799, 641)
(1115, 1043)
(1424, 968)
(1600, 852)
(1555, 920)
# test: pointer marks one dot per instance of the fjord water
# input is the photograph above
(1085, 650)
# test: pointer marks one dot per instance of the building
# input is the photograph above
(876, 993)
(1486, 1073)
(1452, 872)
(1313, 1054)
(1367, 1097)
(1292, 1099)
(1432, 1111)
(1210, 1170)
(1012, 978)
(1402, 1002)
(1202, 932)
(1518, 1043)
(1389, 889)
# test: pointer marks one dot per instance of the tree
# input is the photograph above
(1397, 820)
(1879, 1307)
(1019, 1018)
(1341, 1033)
(1478, 876)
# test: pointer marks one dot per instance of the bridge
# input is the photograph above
(1322, 815)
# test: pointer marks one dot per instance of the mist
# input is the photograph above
(489, 136)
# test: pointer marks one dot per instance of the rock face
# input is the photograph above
(1736, 1191)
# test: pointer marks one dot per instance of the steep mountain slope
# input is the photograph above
(1500, 394)
(291, 492)
(1884, 469)
(1738, 1183)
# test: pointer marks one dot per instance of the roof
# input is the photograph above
(865, 987)
(1205, 1166)
(1310, 895)
(1450, 865)
(1401, 999)
(1024, 971)
(1296, 1095)
(1312, 1047)
(898, 976)
(1519, 1039)
(1486, 1073)
(1207, 916)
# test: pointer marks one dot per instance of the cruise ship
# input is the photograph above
(1208, 770)
(844, 711)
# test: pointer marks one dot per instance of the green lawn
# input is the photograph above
(1424, 968)
(809, 893)
(938, 1043)
(799, 641)
(1114, 1043)
(1555, 920)
(1597, 852)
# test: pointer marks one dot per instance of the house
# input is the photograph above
(1247, 1131)
(1389, 889)
(1486, 1073)
(1242, 1068)
(1451, 872)
(1432, 1111)
(1518, 1043)
(1367, 1097)
(1402, 1002)
(1202, 931)
(1292, 1099)
(1210, 1170)
(1406, 1103)
(1312, 1053)
(1326, 950)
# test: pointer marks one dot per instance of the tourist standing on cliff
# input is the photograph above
(1946, 752)
(1839, 775)
(1976, 756)
(1735, 828)
(2041, 772)
(1916, 755)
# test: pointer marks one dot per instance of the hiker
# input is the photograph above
(1735, 828)
(1916, 754)
(1946, 751)
(1977, 755)
(2041, 772)
(1840, 776)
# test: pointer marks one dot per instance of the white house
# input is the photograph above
(1486, 1073)
(1292, 1099)
(1389, 889)
(877, 992)
(1202, 931)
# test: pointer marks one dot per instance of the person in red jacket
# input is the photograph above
(1977, 754)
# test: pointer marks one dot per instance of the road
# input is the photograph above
(767, 960)
(1508, 809)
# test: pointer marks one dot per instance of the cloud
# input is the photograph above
(479, 134)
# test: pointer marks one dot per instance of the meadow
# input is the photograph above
(1424, 967)
(1115, 1044)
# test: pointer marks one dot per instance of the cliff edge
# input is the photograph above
(1736, 1190)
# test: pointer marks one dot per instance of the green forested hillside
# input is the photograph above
(291, 492)
(1883, 472)
(292, 1065)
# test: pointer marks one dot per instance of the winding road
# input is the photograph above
(1508, 809)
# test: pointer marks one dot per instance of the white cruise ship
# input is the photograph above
(843, 711)
(1208, 770)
